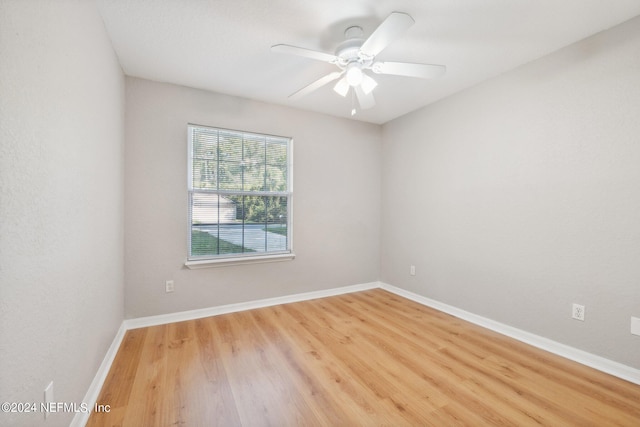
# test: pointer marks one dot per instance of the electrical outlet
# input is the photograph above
(168, 286)
(412, 270)
(577, 312)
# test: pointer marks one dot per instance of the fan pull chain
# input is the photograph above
(353, 102)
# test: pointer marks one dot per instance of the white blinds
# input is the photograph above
(239, 193)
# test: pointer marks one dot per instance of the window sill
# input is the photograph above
(224, 262)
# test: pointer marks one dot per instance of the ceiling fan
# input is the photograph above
(355, 55)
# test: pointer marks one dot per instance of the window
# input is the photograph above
(239, 196)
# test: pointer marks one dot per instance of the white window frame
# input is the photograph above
(205, 261)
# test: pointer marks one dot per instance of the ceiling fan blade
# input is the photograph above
(423, 71)
(307, 53)
(315, 85)
(390, 29)
(366, 100)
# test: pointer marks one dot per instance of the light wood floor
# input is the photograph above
(363, 359)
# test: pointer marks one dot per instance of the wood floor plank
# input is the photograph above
(359, 376)
(148, 392)
(265, 393)
(390, 380)
(368, 358)
(213, 401)
(118, 384)
(298, 362)
(342, 390)
(409, 355)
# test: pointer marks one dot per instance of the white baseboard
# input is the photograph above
(143, 322)
(81, 418)
(600, 363)
(597, 362)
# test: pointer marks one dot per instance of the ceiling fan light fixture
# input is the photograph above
(342, 87)
(354, 74)
(368, 84)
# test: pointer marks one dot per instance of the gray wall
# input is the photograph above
(520, 196)
(336, 202)
(61, 202)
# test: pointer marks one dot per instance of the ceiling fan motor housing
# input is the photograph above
(349, 50)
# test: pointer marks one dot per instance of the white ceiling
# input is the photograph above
(224, 45)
